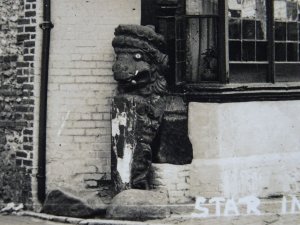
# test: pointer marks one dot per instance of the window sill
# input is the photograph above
(212, 92)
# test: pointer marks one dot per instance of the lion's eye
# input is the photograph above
(138, 56)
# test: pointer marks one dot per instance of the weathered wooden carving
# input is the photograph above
(140, 65)
(139, 107)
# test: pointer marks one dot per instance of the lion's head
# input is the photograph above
(140, 63)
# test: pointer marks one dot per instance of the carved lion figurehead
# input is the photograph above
(140, 64)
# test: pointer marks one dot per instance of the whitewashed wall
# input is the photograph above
(80, 88)
(245, 148)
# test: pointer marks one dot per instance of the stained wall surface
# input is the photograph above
(80, 88)
(240, 149)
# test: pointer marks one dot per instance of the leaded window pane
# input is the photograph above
(247, 40)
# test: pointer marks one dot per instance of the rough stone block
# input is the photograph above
(61, 203)
(139, 205)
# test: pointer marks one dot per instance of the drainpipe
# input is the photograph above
(46, 26)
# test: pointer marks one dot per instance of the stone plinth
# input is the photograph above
(139, 205)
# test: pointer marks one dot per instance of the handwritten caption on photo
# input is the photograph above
(229, 207)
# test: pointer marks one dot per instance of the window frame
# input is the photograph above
(223, 91)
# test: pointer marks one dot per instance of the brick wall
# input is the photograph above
(80, 88)
(175, 179)
(17, 43)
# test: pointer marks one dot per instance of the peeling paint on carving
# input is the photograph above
(122, 130)
(115, 127)
(124, 164)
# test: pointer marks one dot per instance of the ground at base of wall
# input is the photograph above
(242, 220)
(275, 211)
(274, 219)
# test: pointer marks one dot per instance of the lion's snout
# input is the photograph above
(121, 72)
(124, 68)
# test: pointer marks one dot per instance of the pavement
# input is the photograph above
(59, 220)
(31, 218)
(21, 220)
(292, 219)
(271, 212)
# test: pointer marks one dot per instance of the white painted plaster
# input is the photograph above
(245, 148)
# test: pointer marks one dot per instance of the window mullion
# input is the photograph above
(271, 40)
(223, 41)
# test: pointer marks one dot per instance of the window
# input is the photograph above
(248, 41)
(248, 46)
(201, 40)
(287, 40)
(222, 46)
(253, 45)
(192, 28)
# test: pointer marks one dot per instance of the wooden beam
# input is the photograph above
(223, 41)
(271, 40)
